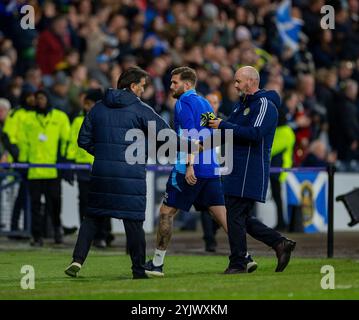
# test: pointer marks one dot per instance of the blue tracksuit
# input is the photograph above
(253, 120)
(208, 189)
(188, 110)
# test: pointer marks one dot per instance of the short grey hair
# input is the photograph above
(250, 73)
(5, 104)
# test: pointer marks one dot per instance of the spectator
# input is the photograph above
(230, 98)
(33, 80)
(323, 53)
(77, 85)
(12, 128)
(281, 157)
(318, 155)
(299, 122)
(5, 74)
(348, 118)
(58, 93)
(52, 44)
(5, 144)
(95, 39)
(41, 138)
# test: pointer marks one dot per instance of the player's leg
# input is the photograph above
(179, 196)
(211, 197)
(165, 227)
(154, 267)
(219, 214)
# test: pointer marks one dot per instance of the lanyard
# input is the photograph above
(45, 121)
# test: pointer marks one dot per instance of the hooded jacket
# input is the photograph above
(253, 121)
(42, 139)
(117, 188)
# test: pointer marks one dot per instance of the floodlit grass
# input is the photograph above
(107, 275)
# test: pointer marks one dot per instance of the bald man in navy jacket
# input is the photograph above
(253, 121)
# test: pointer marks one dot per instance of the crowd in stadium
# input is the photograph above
(84, 44)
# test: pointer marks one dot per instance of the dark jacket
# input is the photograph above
(117, 189)
(348, 128)
(49, 52)
(253, 121)
(311, 160)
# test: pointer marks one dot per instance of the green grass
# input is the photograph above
(107, 275)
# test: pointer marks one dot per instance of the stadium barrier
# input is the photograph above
(10, 184)
(6, 174)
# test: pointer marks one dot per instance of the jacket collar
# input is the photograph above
(187, 93)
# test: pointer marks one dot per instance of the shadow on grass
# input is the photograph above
(97, 278)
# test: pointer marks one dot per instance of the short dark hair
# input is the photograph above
(131, 75)
(186, 73)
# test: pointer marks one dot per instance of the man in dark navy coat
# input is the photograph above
(253, 121)
(117, 187)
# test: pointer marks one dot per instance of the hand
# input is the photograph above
(4, 158)
(198, 145)
(190, 176)
(214, 124)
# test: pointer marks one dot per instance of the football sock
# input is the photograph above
(158, 257)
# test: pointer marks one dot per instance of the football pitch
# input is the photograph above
(107, 275)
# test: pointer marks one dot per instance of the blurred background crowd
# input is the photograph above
(82, 44)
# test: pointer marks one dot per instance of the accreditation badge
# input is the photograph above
(246, 111)
(42, 137)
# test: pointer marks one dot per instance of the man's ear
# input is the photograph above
(133, 86)
(187, 85)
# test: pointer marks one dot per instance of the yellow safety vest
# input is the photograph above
(40, 138)
(283, 142)
(74, 152)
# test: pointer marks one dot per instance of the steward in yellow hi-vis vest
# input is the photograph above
(283, 144)
(13, 124)
(74, 152)
(15, 120)
(43, 140)
(281, 156)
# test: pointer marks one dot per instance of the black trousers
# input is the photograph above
(104, 228)
(209, 227)
(135, 236)
(20, 204)
(51, 188)
(277, 197)
(240, 222)
(84, 188)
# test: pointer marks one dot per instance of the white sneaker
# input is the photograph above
(73, 269)
(252, 266)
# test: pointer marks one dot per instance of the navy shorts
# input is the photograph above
(205, 193)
